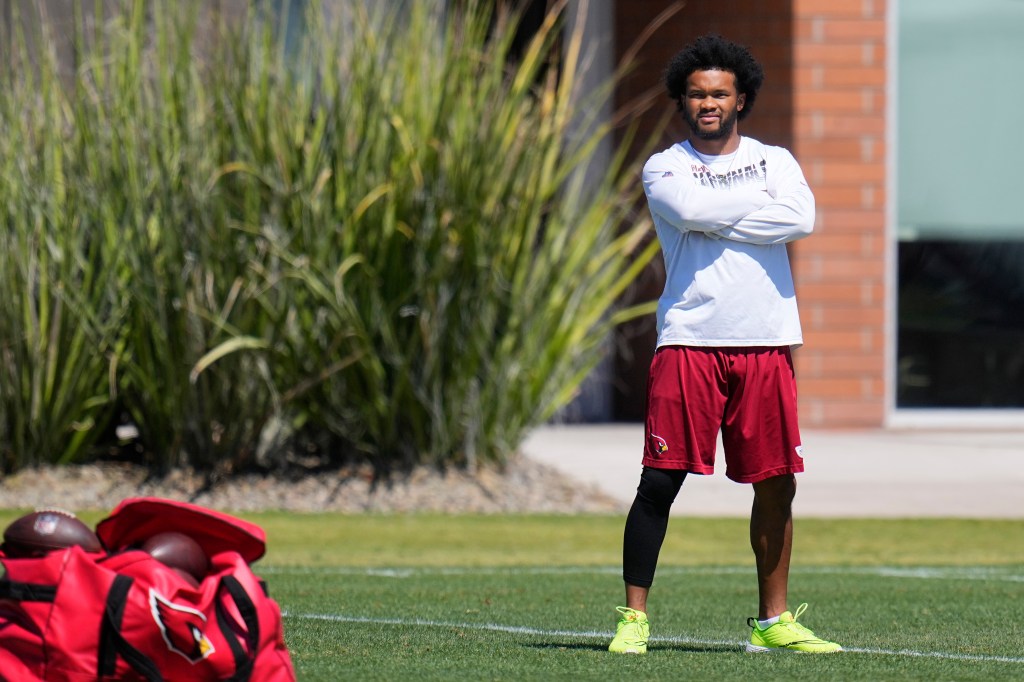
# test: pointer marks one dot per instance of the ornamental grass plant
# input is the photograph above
(391, 235)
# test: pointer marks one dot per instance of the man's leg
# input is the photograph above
(646, 526)
(644, 534)
(636, 597)
(771, 538)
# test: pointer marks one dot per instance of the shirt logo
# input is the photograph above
(751, 174)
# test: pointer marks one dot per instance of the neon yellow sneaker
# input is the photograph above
(788, 635)
(631, 633)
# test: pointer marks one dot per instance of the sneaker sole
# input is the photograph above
(754, 649)
(629, 648)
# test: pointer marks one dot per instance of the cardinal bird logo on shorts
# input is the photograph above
(182, 628)
(660, 446)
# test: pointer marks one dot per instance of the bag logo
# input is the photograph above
(182, 628)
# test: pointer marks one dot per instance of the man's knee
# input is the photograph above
(659, 487)
(776, 491)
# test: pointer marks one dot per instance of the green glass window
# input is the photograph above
(960, 193)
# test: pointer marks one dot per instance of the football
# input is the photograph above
(180, 552)
(46, 530)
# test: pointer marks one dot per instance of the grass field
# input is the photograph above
(515, 598)
(533, 597)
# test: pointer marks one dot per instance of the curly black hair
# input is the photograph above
(713, 52)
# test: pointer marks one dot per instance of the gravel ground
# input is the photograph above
(523, 486)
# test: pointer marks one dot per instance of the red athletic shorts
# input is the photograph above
(747, 393)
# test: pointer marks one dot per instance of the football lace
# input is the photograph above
(56, 510)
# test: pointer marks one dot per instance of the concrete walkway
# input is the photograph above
(874, 473)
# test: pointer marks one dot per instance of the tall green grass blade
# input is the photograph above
(381, 236)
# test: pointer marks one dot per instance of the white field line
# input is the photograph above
(1009, 574)
(583, 634)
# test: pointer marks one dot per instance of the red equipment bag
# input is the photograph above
(74, 616)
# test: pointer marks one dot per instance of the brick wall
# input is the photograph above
(823, 98)
(839, 53)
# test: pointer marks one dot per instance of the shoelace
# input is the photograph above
(788, 625)
(796, 628)
(631, 615)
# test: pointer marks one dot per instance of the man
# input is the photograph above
(724, 207)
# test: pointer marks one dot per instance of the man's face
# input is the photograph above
(711, 104)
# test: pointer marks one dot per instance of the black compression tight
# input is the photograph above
(647, 523)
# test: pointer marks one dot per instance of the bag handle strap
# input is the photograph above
(113, 643)
(244, 663)
(16, 590)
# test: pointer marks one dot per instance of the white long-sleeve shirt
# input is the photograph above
(723, 223)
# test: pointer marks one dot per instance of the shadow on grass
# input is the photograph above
(686, 648)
